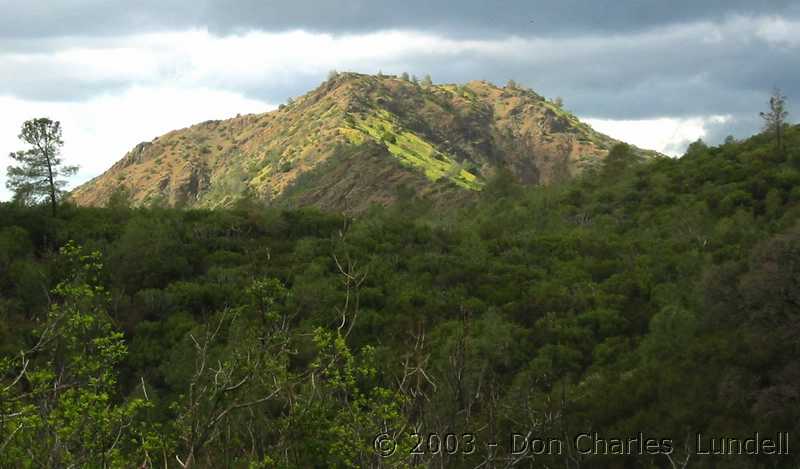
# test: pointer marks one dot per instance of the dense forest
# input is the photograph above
(646, 299)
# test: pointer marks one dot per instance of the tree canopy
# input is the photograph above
(650, 297)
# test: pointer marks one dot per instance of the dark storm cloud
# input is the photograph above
(479, 17)
(37, 18)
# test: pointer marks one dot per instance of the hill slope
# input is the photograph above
(354, 141)
(655, 299)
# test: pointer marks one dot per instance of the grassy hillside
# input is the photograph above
(441, 136)
(656, 296)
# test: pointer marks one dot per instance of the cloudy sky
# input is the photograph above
(657, 74)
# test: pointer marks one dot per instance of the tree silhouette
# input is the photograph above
(40, 167)
(775, 118)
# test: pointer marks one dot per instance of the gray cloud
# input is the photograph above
(37, 18)
(675, 72)
(616, 60)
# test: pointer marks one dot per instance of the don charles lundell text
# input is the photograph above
(596, 444)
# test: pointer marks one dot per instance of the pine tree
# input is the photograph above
(40, 167)
(775, 118)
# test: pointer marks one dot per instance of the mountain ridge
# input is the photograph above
(441, 141)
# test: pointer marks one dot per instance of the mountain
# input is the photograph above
(357, 140)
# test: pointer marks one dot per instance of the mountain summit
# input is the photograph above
(354, 141)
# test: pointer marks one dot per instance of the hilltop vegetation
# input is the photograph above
(359, 138)
(656, 296)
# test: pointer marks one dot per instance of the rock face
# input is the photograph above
(355, 141)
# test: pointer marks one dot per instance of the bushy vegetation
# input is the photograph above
(657, 296)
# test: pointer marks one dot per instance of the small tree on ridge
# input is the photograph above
(775, 118)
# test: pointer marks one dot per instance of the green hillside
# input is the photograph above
(654, 295)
